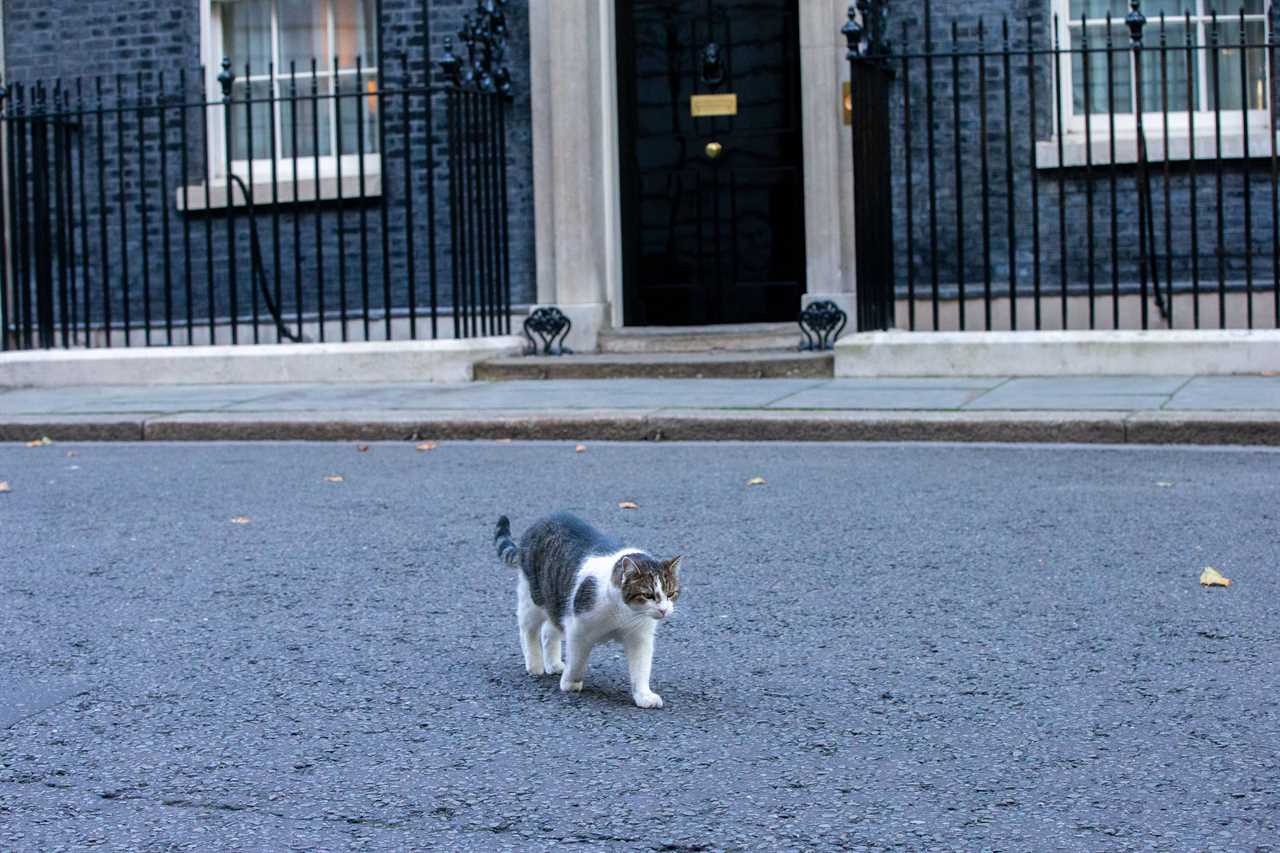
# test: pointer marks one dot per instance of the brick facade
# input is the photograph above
(1173, 255)
(144, 45)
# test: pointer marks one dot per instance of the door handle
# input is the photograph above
(714, 149)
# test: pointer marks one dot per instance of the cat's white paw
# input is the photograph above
(534, 669)
(648, 699)
(567, 686)
(555, 668)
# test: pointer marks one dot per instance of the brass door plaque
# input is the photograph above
(706, 106)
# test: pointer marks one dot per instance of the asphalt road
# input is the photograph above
(884, 646)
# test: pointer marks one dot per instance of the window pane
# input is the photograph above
(298, 118)
(353, 33)
(1176, 64)
(1232, 8)
(359, 105)
(246, 35)
(1171, 9)
(304, 34)
(1235, 90)
(1121, 86)
(1098, 9)
(261, 129)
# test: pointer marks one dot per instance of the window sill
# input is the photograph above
(1075, 147)
(213, 196)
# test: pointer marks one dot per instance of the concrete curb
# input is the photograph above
(395, 361)
(1206, 428)
(1208, 352)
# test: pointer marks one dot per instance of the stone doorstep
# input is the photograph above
(746, 337)
(772, 364)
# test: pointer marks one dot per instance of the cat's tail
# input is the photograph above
(508, 550)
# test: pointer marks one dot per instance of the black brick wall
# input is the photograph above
(1173, 256)
(145, 42)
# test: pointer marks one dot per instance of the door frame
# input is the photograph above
(576, 158)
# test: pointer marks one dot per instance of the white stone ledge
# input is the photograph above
(1110, 353)
(1075, 147)
(197, 198)
(398, 361)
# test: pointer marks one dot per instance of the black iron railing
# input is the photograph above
(317, 203)
(1040, 174)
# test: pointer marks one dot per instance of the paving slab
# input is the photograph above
(1228, 393)
(1073, 393)
(827, 397)
(633, 393)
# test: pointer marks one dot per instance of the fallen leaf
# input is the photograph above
(426, 446)
(756, 481)
(1164, 484)
(581, 448)
(5, 487)
(43, 441)
(334, 478)
(362, 448)
(628, 505)
(1212, 577)
(241, 519)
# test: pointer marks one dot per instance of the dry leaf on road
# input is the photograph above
(581, 448)
(5, 487)
(1212, 577)
(628, 505)
(42, 441)
(362, 448)
(334, 478)
(756, 481)
(241, 519)
(426, 446)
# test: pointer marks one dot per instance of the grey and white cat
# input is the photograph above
(582, 587)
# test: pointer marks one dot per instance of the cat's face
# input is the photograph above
(649, 587)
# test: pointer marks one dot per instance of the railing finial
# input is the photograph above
(853, 34)
(1135, 21)
(226, 78)
(484, 33)
(451, 65)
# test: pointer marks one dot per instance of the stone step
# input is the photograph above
(771, 364)
(750, 337)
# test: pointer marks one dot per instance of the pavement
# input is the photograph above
(1111, 409)
(884, 646)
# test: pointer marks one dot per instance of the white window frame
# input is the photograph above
(1077, 144)
(309, 186)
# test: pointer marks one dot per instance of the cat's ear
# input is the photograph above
(673, 565)
(629, 567)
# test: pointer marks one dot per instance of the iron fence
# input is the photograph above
(1096, 173)
(298, 204)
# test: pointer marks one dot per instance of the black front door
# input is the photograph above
(712, 189)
